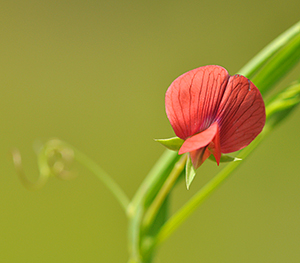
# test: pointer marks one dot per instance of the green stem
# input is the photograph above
(157, 173)
(178, 218)
(104, 177)
(148, 188)
(134, 236)
(164, 191)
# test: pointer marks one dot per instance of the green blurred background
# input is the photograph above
(94, 73)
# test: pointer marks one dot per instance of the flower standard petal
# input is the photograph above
(241, 114)
(192, 99)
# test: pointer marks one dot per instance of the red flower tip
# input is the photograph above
(213, 112)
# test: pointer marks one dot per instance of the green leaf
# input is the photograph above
(282, 104)
(280, 64)
(257, 62)
(190, 173)
(173, 143)
(225, 158)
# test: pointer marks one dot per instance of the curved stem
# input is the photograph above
(103, 176)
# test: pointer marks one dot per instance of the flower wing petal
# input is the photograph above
(199, 140)
(241, 114)
(192, 100)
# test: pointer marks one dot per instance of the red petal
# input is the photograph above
(193, 99)
(199, 140)
(241, 114)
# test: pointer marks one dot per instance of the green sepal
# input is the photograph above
(190, 172)
(173, 143)
(225, 158)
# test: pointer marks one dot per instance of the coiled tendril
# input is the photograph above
(54, 159)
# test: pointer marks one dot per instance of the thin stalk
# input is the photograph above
(164, 191)
(134, 237)
(115, 189)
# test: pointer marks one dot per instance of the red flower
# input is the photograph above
(214, 112)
